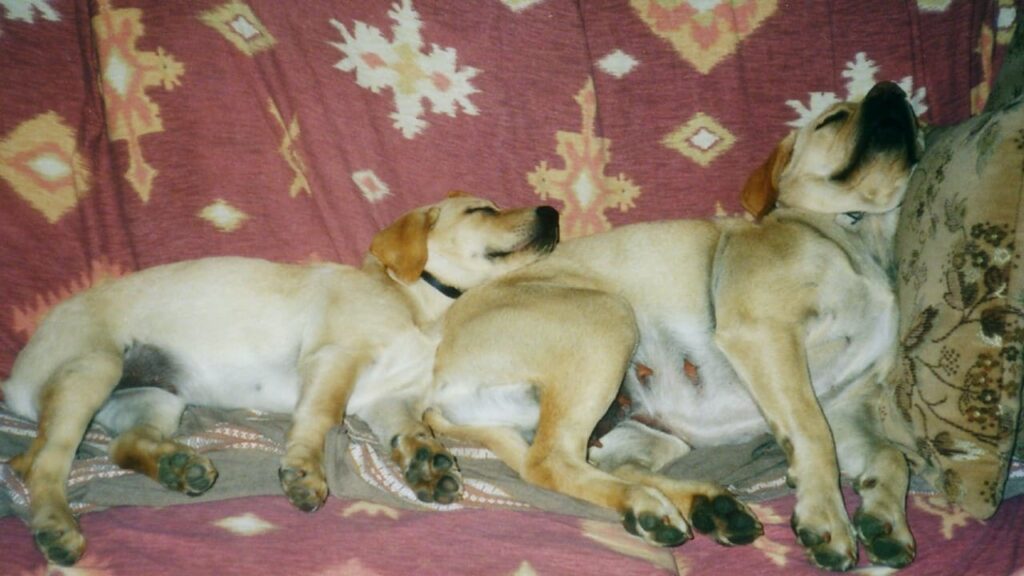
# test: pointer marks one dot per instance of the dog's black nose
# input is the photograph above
(548, 216)
(547, 225)
(886, 89)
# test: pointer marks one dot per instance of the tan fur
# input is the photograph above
(790, 323)
(318, 341)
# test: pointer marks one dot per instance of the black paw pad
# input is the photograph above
(725, 519)
(654, 527)
(186, 472)
(831, 560)
(876, 534)
(433, 475)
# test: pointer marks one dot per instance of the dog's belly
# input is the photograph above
(693, 392)
(684, 385)
(265, 381)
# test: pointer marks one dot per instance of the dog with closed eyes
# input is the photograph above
(318, 341)
(717, 331)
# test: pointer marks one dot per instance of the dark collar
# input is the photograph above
(449, 291)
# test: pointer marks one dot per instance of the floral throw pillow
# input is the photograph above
(961, 294)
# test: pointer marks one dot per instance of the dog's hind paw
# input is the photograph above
(725, 519)
(428, 467)
(306, 489)
(652, 517)
(186, 471)
(882, 544)
(654, 529)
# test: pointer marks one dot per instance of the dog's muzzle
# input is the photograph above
(886, 126)
(887, 122)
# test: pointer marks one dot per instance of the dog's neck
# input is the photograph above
(877, 233)
(427, 302)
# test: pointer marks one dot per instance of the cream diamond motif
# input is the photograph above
(223, 216)
(701, 139)
(584, 190)
(617, 63)
(244, 28)
(118, 73)
(247, 524)
(50, 166)
(373, 188)
(520, 5)
(704, 139)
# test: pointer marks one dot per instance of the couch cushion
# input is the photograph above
(961, 302)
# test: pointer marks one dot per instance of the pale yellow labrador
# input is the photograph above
(716, 331)
(317, 341)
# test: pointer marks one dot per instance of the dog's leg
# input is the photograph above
(67, 404)
(770, 359)
(631, 442)
(427, 465)
(646, 512)
(328, 378)
(507, 444)
(556, 459)
(144, 420)
(881, 476)
(635, 452)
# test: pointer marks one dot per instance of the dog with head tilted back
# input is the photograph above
(317, 341)
(789, 325)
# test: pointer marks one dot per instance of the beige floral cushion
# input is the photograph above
(961, 293)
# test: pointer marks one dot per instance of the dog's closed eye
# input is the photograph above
(838, 116)
(489, 210)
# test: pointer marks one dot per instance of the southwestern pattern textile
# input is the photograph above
(139, 132)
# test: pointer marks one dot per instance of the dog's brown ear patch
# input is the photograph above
(761, 191)
(402, 246)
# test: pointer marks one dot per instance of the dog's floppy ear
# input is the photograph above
(761, 191)
(402, 246)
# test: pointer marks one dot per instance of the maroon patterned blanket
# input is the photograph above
(138, 132)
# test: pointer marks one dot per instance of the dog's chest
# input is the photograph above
(854, 336)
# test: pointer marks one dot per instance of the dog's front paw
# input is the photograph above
(429, 468)
(186, 471)
(726, 519)
(887, 543)
(652, 517)
(59, 539)
(305, 486)
(831, 545)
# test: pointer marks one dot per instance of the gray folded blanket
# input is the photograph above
(246, 446)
